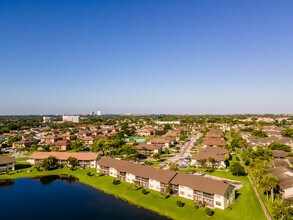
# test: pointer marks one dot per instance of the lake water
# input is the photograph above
(51, 198)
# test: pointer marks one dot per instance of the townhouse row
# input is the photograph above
(213, 193)
(85, 160)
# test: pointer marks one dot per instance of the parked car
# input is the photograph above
(186, 159)
(201, 173)
(183, 165)
(192, 171)
(162, 164)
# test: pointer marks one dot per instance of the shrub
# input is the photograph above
(89, 173)
(209, 212)
(180, 203)
(210, 170)
(116, 181)
(164, 195)
(144, 191)
(136, 187)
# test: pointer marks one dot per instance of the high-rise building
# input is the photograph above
(47, 120)
(92, 113)
(71, 118)
(99, 113)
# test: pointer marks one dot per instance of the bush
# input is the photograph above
(116, 181)
(198, 204)
(209, 212)
(136, 187)
(180, 203)
(89, 173)
(210, 170)
(144, 191)
(164, 195)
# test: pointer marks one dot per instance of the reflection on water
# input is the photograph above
(62, 200)
(45, 180)
(8, 182)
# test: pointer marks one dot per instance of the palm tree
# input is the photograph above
(260, 173)
(265, 185)
(273, 182)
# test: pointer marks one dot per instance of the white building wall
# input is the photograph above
(185, 192)
(113, 172)
(71, 118)
(155, 185)
(93, 164)
(31, 161)
(219, 201)
(98, 168)
(130, 178)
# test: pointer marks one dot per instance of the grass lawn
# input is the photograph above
(267, 203)
(245, 207)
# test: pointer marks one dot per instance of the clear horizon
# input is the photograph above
(146, 57)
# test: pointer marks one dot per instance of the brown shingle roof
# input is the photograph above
(213, 141)
(201, 183)
(163, 176)
(6, 160)
(64, 155)
(150, 147)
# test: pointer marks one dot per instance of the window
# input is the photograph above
(189, 195)
(217, 196)
(151, 186)
(218, 203)
(182, 193)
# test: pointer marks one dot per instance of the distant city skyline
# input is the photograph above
(146, 57)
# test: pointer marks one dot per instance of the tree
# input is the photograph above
(265, 185)
(99, 146)
(288, 132)
(72, 162)
(237, 169)
(49, 163)
(174, 166)
(13, 139)
(156, 156)
(77, 146)
(280, 146)
(259, 134)
(211, 161)
(283, 211)
(260, 172)
(273, 182)
(202, 162)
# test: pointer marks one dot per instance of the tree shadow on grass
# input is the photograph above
(20, 166)
(237, 194)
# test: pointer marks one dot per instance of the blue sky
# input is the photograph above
(154, 56)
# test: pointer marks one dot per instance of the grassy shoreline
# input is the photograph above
(245, 207)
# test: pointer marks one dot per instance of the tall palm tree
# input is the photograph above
(265, 185)
(273, 182)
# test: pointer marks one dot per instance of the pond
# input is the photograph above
(55, 197)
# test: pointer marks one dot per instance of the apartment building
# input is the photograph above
(213, 193)
(85, 160)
